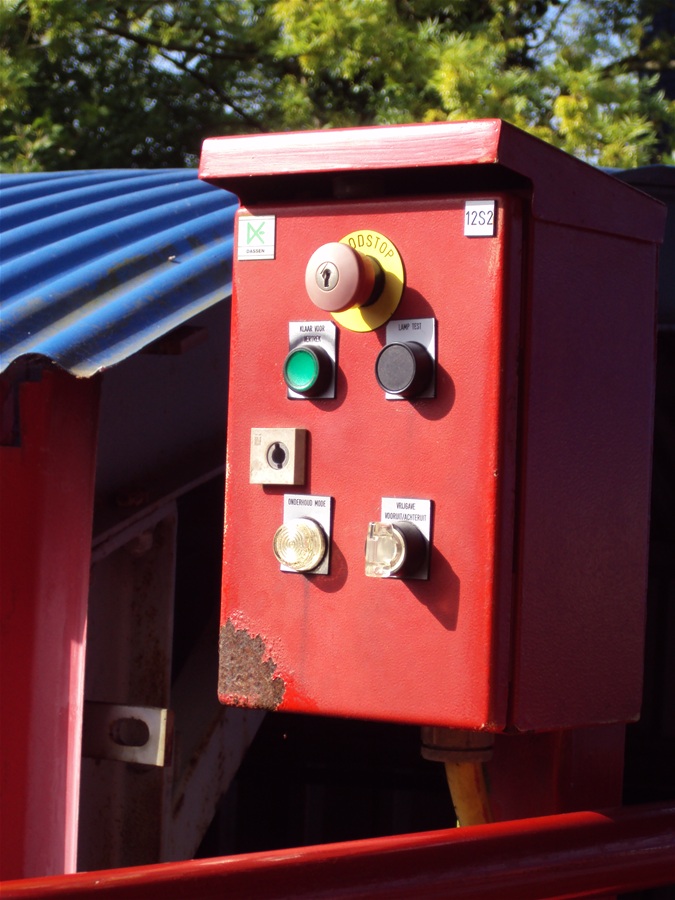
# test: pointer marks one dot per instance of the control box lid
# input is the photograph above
(433, 158)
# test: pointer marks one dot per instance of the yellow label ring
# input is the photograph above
(380, 248)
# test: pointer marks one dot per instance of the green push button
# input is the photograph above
(308, 370)
(301, 370)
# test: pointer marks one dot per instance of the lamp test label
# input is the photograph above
(256, 237)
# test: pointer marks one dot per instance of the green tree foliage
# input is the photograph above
(106, 83)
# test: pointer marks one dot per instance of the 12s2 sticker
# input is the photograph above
(480, 218)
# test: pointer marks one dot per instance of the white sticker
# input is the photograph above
(408, 509)
(318, 508)
(480, 218)
(256, 237)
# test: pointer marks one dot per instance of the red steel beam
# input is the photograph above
(46, 507)
(580, 854)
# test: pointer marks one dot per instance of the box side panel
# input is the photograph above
(585, 479)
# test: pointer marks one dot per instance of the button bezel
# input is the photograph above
(319, 509)
(421, 331)
(314, 334)
(414, 511)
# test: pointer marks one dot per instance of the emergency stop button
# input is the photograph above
(338, 277)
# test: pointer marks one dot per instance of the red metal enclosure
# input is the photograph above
(533, 456)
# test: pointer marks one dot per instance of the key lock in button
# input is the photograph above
(358, 279)
(339, 277)
(327, 276)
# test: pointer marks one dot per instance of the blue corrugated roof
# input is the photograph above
(95, 265)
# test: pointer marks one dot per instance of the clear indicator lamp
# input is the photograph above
(394, 549)
(300, 544)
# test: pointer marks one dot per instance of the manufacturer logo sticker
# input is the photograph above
(256, 237)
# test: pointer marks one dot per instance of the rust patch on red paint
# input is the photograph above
(246, 672)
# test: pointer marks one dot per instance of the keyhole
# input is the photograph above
(327, 276)
(277, 455)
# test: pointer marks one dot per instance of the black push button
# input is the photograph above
(404, 368)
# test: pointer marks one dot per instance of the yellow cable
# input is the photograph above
(469, 792)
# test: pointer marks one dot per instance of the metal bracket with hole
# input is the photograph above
(278, 455)
(133, 734)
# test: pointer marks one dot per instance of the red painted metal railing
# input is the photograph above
(581, 854)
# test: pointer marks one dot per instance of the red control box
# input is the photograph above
(439, 428)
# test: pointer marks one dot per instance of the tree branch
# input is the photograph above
(552, 27)
(639, 64)
(218, 91)
(145, 40)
